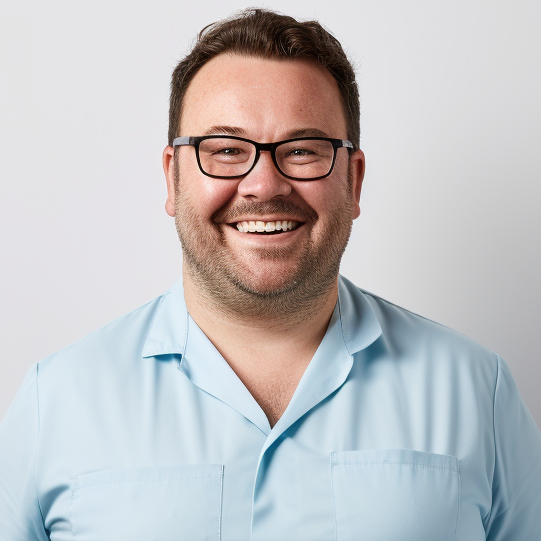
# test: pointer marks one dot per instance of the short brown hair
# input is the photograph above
(267, 34)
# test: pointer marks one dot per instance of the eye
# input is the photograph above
(300, 152)
(223, 151)
(229, 151)
(301, 155)
(305, 151)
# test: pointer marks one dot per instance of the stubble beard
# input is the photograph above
(222, 284)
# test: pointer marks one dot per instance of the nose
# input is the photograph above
(264, 181)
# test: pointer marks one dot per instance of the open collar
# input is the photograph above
(352, 328)
(168, 332)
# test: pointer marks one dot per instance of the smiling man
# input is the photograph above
(265, 397)
(263, 227)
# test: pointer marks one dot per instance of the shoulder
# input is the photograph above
(113, 347)
(423, 346)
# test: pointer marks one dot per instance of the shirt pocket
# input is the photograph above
(395, 494)
(145, 504)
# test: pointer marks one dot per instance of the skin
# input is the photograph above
(275, 292)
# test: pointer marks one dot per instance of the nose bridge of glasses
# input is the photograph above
(264, 179)
(265, 147)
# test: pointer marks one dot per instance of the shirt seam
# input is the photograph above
(116, 483)
(486, 519)
(390, 303)
(375, 298)
(72, 497)
(333, 464)
(459, 496)
(413, 464)
(42, 524)
(517, 494)
(221, 503)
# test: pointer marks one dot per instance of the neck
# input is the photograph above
(257, 330)
(268, 349)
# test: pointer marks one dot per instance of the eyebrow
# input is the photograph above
(306, 132)
(230, 130)
(240, 132)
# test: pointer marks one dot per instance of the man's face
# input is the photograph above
(265, 101)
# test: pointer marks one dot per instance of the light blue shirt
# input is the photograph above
(400, 429)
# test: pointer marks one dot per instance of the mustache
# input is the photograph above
(261, 208)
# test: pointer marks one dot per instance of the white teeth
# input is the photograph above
(252, 226)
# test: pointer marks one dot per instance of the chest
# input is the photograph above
(272, 393)
(182, 464)
(300, 493)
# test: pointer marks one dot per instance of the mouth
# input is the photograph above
(266, 228)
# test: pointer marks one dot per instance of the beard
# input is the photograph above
(248, 288)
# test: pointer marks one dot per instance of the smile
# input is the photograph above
(278, 226)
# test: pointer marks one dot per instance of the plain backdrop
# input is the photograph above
(451, 116)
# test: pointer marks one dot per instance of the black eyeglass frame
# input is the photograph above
(270, 147)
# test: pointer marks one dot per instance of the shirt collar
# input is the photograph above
(360, 326)
(169, 327)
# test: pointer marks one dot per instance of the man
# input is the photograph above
(264, 397)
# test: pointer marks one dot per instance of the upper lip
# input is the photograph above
(265, 219)
(264, 212)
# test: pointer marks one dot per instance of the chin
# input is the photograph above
(266, 284)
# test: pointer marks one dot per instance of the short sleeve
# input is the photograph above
(516, 485)
(20, 517)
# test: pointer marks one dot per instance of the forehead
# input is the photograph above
(264, 98)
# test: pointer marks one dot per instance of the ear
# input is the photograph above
(168, 161)
(357, 164)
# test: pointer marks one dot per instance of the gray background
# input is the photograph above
(450, 224)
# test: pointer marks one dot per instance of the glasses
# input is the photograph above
(226, 156)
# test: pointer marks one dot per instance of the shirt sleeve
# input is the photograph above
(20, 516)
(516, 486)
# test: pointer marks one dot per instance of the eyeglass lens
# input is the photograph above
(301, 159)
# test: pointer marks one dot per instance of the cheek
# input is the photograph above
(327, 197)
(203, 194)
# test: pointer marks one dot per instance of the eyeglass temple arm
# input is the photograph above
(187, 140)
(182, 141)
